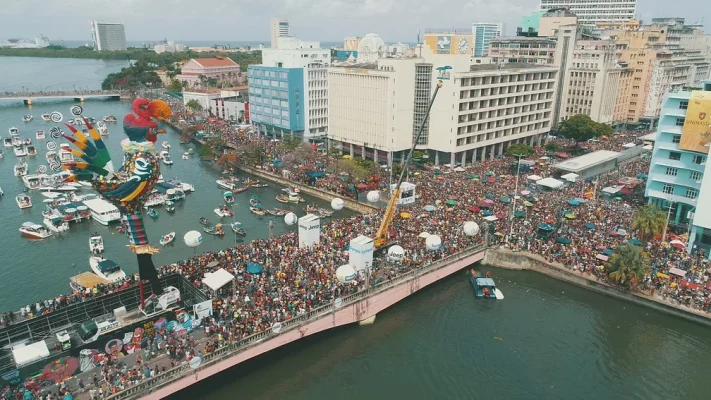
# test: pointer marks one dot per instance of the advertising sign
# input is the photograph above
(203, 309)
(695, 133)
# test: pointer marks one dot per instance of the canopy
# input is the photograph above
(635, 242)
(474, 176)
(545, 227)
(563, 240)
(424, 235)
(677, 272)
(451, 202)
(573, 202)
(505, 200)
(570, 215)
(491, 218)
(108, 266)
(218, 279)
(534, 178)
(404, 215)
(254, 268)
(628, 145)
(608, 252)
(589, 225)
(550, 182)
(570, 177)
(519, 214)
(429, 208)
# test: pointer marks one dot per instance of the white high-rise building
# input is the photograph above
(590, 12)
(483, 33)
(280, 28)
(108, 36)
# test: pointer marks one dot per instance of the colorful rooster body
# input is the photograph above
(128, 186)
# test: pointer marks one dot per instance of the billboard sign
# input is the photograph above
(695, 133)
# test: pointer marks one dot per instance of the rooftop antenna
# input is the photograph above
(419, 45)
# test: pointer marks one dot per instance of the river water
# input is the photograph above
(557, 341)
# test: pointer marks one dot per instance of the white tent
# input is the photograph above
(570, 177)
(534, 177)
(491, 218)
(216, 280)
(612, 189)
(26, 354)
(648, 147)
(551, 183)
(628, 145)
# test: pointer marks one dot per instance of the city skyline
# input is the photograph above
(309, 19)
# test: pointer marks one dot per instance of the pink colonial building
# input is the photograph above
(218, 67)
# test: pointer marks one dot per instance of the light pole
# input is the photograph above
(666, 224)
(513, 201)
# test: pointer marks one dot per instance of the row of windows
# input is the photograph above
(474, 105)
(676, 156)
(492, 80)
(693, 175)
(282, 94)
(691, 193)
(253, 73)
(498, 134)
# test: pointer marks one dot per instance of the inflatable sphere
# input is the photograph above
(471, 228)
(433, 242)
(193, 239)
(337, 204)
(396, 253)
(290, 218)
(346, 273)
(373, 196)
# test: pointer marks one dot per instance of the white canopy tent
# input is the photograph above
(534, 178)
(26, 354)
(491, 218)
(550, 183)
(218, 279)
(612, 189)
(628, 145)
(570, 177)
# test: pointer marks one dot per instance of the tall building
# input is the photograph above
(108, 36)
(483, 33)
(279, 28)
(679, 163)
(590, 12)
(523, 49)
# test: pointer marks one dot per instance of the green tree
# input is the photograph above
(175, 85)
(649, 221)
(206, 152)
(581, 128)
(353, 169)
(519, 149)
(194, 105)
(628, 265)
(551, 146)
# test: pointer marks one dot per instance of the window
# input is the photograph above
(699, 159)
(691, 193)
(680, 121)
(683, 105)
(672, 171)
(695, 175)
(674, 155)
(668, 189)
(676, 138)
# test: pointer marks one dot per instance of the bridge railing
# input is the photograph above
(22, 95)
(230, 350)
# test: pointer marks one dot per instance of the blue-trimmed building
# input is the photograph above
(276, 100)
(344, 55)
(676, 175)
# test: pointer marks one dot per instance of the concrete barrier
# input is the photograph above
(507, 259)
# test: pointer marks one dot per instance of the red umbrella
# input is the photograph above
(501, 216)
(474, 209)
(491, 180)
(689, 285)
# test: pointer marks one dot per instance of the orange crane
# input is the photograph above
(381, 237)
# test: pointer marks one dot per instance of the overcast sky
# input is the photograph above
(248, 20)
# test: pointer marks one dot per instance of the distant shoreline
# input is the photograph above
(132, 54)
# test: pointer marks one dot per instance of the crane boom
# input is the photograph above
(381, 237)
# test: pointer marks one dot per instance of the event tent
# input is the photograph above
(218, 279)
(570, 177)
(550, 183)
(534, 177)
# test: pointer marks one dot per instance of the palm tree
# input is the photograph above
(649, 221)
(629, 265)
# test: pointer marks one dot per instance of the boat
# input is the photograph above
(19, 151)
(259, 185)
(23, 201)
(56, 225)
(52, 157)
(154, 199)
(282, 198)
(165, 145)
(191, 151)
(102, 211)
(106, 269)
(1, 192)
(46, 118)
(40, 135)
(253, 201)
(174, 194)
(214, 230)
(103, 130)
(65, 153)
(96, 244)
(169, 206)
(257, 211)
(27, 118)
(321, 212)
(1, 155)
(33, 181)
(57, 187)
(224, 212)
(77, 121)
(166, 239)
(295, 198)
(31, 150)
(20, 168)
(186, 156)
(290, 190)
(110, 118)
(229, 197)
(227, 184)
(7, 142)
(204, 221)
(152, 212)
(166, 158)
(34, 231)
(17, 142)
(240, 189)
(14, 131)
(278, 212)
(237, 228)
(250, 182)
(26, 141)
(484, 287)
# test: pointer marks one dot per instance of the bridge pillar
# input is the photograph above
(28, 102)
(367, 321)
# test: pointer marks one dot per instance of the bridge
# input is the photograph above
(74, 95)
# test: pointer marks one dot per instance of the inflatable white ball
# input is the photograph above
(471, 228)
(193, 239)
(433, 242)
(337, 204)
(373, 196)
(346, 273)
(290, 219)
(396, 253)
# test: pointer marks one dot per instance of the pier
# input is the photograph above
(77, 95)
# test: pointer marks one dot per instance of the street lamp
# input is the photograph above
(513, 201)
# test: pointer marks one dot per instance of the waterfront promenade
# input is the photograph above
(80, 95)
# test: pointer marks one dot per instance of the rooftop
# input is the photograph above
(586, 161)
(505, 66)
(217, 61)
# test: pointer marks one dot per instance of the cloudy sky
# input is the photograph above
(248, 20)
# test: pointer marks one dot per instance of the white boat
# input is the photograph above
(7, 142)
(65, 153)
(57, 187)
(20, 169)
(102, 211)
(23, 201)
(60, 226)
(226, 184)
(51, 157)
(154, 199)
(186, 156)
(224, 212)
(106, 269)
(110, 118)
(175, 194)
(166, 158)
(96, 244)
(26, 141)
(166, 239)
(13, 131)
(33, 181)
(1, 192)
(16, 141)
(499, 295)
(31, 150)
(34, 231)
(1, 155)
(27, 118)
(103, 130)
(77, 121)
(46, 117)
(295, 198)
(19, 151)
(165, 145)
(40, 135)
(291, 190)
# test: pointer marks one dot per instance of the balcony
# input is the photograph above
(658, 194)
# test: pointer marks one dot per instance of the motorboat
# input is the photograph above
(250, 182)
(103, 130)
(106, 269)
(152, 212)
(238, 190)
(186, 156)
(259, 185)
(14, 131)
(165, 145)
(57, 187)
(1, 155)
(169, 206)
(185, 187)
(27, 118)
(191, 151)
(227, 184)
(31, 150)
(26, 141)
(257, 211)
(19, 151)
(154, 199)
(96, 244)
(484, 287)
(34, 231)
(20, 168)
(77, 121)
(237, 228)
(278, 212)
(166, 239)
(46, 117)
(214, 230)
(40, 135)
(7, 142)
(253, 202)
(65, 153)
(166, 158)
(295, 198)
(33, 181)
(290, 190)
(17, 142)
(52, 157)
(321, 212)
(204, 221)
(23, 201)
(56, 225)
(224, 212)
(229, 197)
(52, 195)
(102, 211)
(1, 192)
(110, 118)
(282, 198)
(174, 194)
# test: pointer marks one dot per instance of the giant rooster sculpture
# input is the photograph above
(128, 186)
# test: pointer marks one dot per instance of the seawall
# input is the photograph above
(503, 258)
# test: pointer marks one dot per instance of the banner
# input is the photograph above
(695, 133)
